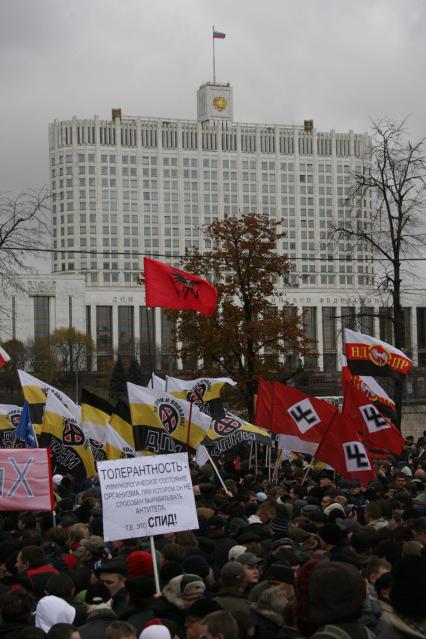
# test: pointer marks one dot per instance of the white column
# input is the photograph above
(115, 328)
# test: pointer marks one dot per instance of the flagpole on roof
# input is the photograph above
(214, 61)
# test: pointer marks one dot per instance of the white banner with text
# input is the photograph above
(147, 496)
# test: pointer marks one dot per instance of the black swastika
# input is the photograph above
(300, 415)
(372, 416)
(355, 453)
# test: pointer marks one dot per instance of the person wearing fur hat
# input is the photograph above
(177, 596)
(277, 574)
(100, 615)
(330, 595)
(268, 613)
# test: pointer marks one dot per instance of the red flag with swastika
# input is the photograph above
(342, 448)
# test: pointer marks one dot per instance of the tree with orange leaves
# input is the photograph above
(254, 331)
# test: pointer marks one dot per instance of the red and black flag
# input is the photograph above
(169, 287)
(375, 393)
(342, 448)
(375, 430)
(368, 355)
(300, 419)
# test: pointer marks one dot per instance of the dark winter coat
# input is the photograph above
(231, 600)
(138, 617)
(266, 624)
(119, 602)
(97, 622)
(9, 630)
(222, 546)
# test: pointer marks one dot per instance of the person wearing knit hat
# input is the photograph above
(141, 592)
(99, 612)
(196, 565)
(139, 562)
(331, 537)
(280, 522)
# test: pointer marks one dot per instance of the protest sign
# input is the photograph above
(146, 496)
(25, 479)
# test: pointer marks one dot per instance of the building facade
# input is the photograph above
(132, 186)
(129, 187)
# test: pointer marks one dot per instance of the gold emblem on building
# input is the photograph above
(220, 103)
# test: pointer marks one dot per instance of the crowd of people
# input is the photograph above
(309, 555)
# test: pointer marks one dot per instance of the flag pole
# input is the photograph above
(189, 427)
(155, 567)
(217, 472)
(319, 445)
(277, 466)
(148, 317)
(214, 61)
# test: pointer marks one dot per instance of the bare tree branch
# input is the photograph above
(396, 183)
(23, 231)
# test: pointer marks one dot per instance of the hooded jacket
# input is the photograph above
(51, 610)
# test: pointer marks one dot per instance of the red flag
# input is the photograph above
(368, 355)
(4, 357)
(372, 391)
(264, 401)
(375, 430)
(169, 287)
(299, 415)
(343, 449)
(26, 479)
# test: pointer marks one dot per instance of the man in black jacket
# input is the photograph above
(99, 612)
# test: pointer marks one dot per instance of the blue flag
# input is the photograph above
(25, 430)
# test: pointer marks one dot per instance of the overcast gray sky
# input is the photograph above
(336, 61)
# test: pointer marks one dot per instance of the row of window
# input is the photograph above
(333, 320)
(205, 162)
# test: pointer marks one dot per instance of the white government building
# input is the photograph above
(134, 186)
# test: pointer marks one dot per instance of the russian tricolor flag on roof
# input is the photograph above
(219, 35)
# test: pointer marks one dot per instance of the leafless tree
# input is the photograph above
(72, 349)
(395, 182)
(23, 231)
